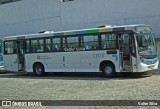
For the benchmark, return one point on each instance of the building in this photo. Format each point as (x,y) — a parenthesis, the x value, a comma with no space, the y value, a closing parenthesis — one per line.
(32,16)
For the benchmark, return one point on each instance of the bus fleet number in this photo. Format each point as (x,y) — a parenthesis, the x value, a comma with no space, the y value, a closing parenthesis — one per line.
(99,55)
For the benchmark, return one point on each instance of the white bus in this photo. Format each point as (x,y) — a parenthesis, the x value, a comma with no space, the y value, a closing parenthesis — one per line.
(108,49)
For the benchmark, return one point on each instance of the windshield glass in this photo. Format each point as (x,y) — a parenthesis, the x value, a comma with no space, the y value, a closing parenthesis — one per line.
(146,45)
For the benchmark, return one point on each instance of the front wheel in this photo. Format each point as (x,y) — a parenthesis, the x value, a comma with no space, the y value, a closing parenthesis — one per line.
(39,70)
(108,70)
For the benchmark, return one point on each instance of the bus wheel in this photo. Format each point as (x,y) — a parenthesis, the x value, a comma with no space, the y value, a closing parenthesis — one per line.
(39,70)
(108,70)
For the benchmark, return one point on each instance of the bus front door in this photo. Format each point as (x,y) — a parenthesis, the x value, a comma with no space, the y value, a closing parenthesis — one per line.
(20,55)
(125,47)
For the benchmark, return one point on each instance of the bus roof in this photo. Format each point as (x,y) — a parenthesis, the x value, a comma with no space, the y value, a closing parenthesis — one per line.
(79,32)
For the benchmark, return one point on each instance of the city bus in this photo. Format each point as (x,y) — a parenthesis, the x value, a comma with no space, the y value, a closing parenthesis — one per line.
(105,49)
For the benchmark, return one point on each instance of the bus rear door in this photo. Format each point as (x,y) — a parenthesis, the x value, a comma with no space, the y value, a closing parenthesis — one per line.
(21,55)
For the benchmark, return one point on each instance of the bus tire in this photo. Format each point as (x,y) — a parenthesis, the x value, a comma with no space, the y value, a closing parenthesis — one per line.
(38,69)
(108,70)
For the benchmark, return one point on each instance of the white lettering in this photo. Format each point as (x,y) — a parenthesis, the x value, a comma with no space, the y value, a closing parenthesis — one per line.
(153,104)
(34,104)
(143,103)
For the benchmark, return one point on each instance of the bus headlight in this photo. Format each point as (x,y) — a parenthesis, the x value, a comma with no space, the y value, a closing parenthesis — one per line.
(156,60)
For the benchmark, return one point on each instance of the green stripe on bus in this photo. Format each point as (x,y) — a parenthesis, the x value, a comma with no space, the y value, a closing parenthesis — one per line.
(93,31)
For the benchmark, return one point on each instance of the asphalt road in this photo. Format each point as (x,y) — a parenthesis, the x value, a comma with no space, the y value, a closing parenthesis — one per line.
(80,86)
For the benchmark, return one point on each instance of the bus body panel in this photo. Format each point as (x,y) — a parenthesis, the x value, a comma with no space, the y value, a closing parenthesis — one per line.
(84,61)
(134,64)
(11,63)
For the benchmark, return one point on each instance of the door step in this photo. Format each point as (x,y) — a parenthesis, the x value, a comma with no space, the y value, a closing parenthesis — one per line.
(127,66)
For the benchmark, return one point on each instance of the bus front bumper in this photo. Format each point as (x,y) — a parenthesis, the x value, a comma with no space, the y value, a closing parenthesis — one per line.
(144,67)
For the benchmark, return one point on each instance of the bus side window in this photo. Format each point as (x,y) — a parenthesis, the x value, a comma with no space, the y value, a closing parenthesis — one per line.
(90,42)
(33,46)
(108,41)
(14,51)
(73,43)
(40,45)
(126,46)
(48,48)
(27,46)
(48,44)
(34,49)
(56,43)
(10,47)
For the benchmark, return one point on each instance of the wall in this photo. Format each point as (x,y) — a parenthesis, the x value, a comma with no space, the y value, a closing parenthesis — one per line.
(33,16)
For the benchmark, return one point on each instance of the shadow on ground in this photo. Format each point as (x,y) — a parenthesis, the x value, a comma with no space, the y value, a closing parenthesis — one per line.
(75,76)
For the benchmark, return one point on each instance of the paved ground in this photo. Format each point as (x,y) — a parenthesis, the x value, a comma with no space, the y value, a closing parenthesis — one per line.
(80,87)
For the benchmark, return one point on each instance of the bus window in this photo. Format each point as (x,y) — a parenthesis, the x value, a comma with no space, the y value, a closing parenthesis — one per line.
(33,46)
(90,42)
(40,45)
(10,47)
(37,45)
(126,45)
(70,43)
(108,41)
(48,45)
(27,46)
(56,45)
(65,44)
(73,42)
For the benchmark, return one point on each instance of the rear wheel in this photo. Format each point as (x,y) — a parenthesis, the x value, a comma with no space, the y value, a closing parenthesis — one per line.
(108,70)
(39,70)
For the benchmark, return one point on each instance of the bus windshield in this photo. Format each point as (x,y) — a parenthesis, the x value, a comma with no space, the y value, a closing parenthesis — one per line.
(146,45)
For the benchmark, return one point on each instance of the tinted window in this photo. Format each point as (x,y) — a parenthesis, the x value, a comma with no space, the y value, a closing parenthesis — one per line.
(90,42)
(27,46)
(70,43)
(48,45)
(37,45)
(108,41)
(56,44)
(10,47)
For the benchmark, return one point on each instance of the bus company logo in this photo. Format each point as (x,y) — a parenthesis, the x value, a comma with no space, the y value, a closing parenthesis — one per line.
(43,57)
(6,103)
(21,103)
